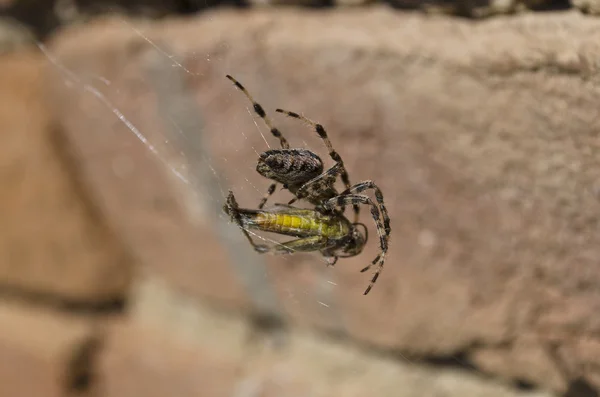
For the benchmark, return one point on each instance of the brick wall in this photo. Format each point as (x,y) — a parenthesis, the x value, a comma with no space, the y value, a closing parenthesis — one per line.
(119,275)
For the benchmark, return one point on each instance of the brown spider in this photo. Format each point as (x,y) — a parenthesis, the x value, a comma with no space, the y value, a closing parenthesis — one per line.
(301,172)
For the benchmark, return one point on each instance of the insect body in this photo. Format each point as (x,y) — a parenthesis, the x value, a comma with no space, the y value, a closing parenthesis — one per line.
(332,234)
(302,173)
(297,222)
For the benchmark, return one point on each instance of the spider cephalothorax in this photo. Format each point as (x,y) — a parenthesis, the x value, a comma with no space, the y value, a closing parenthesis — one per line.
(301,172)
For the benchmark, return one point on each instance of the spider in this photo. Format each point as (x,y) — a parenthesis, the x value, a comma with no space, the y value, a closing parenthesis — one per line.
(300,171)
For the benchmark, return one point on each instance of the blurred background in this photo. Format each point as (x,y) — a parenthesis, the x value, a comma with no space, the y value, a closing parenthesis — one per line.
(120,138)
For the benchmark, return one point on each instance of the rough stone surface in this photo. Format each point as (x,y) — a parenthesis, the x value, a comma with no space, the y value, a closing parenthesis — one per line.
(53,242)
(147,361)
(148,356)
(39,351)
(482,137)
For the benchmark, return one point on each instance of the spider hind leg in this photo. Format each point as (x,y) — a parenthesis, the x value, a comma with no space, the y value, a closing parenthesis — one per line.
(381,231)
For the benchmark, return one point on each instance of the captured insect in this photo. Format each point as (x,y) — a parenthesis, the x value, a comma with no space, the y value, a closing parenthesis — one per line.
(332,233)
(301,172)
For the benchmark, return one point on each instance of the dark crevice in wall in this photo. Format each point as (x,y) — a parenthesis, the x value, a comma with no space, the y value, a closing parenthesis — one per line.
(524,385)
(577,387)
(556,5)
(81,369)
(460,360)
(267,323)
(108,305)
(581,388)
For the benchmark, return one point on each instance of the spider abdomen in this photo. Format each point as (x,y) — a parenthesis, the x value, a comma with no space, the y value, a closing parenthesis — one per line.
(291,167)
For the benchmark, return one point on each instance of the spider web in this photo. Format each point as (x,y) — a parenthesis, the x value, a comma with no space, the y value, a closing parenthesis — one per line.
(203,185)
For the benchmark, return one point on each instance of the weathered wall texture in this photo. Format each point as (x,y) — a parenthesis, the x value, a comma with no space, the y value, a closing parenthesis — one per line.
(483,138)
(80,261)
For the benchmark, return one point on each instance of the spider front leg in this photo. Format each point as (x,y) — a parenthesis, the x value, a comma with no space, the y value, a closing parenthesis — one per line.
(260,111)
(383,237)
(269,193)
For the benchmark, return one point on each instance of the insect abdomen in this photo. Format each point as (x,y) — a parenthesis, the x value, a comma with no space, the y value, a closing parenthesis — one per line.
(294,224)
(287,224)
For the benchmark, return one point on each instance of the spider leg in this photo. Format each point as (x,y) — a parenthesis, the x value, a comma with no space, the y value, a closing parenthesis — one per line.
(259,110)
(365,185)
(383,236)
(332,153)
(270,191)
(333,262)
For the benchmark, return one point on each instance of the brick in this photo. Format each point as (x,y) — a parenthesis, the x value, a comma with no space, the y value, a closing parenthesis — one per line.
(146,360)
(44,353)
(53,242)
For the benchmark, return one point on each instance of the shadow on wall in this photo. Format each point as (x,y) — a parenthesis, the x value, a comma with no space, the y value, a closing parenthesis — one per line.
(581,388)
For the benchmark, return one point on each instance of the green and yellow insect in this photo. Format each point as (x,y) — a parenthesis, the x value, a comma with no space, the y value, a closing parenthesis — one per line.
(330,233)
